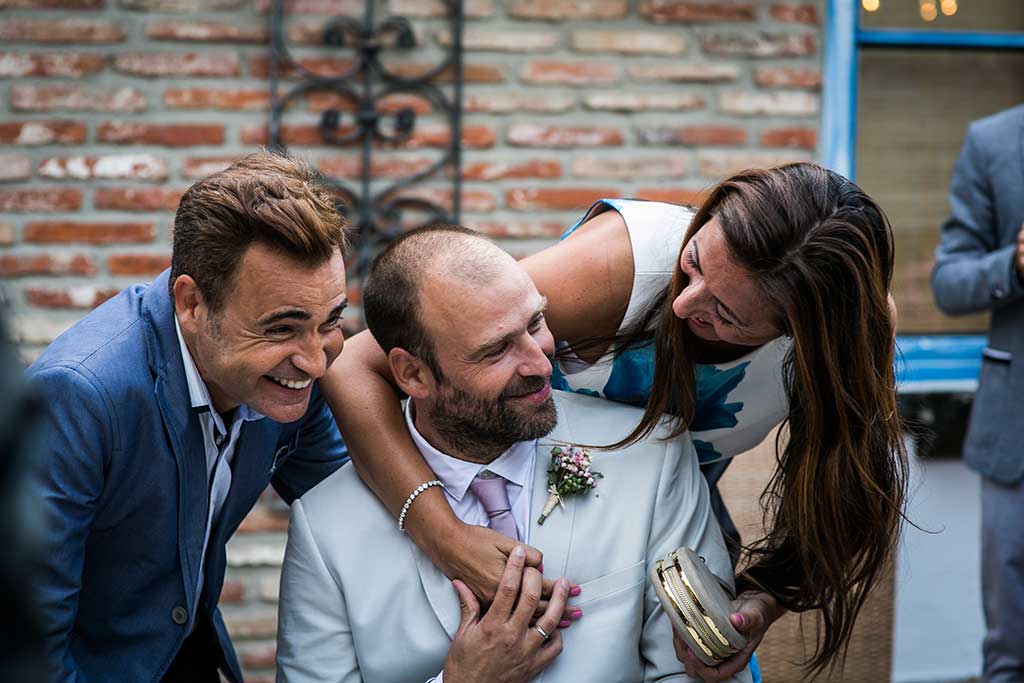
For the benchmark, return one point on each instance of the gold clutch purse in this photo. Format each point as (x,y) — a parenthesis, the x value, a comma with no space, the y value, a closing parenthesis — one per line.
(697,605)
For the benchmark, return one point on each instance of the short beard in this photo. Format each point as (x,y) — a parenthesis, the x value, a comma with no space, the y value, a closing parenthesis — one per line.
(480,430)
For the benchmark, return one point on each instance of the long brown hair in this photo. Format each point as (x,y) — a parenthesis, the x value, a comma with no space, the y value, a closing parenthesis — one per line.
(821,252)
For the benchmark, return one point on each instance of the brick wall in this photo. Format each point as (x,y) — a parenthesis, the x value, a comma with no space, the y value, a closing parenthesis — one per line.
(110,108)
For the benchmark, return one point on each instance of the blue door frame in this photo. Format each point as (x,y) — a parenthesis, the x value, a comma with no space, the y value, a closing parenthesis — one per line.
(934,363)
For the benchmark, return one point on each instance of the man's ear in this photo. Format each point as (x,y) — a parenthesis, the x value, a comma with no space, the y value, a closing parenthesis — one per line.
(189,305)
(411,374)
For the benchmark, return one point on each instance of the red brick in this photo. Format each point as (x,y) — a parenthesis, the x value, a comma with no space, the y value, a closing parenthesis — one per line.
(82,297)
(628,168)
(799,138)
(41,132)
(568,10)
(88,233)
(497,170)
(787,77)
(534,135)
(350,8)
(259,66)
(60,31)
(134,166)
(569,73)
(501,40)
(182,6)
(137,198)
(166,135)
(473,201)
(154,65)
(75,5)
(629,42)
(425,135)
(630,102)
(15,167)
(76,98)
(64,64)
(697,11)
(760,44)
(350,166)
(232,592)
(39,199)
(389,104)
(517,228)
(519,100)
(259,658)
(194,168)
(238,99)
(795,13)
(245,626)
(556,198)
(768,103)
(262,519)
(685,73)
(207,32)
(19,265)
(138,264)
(472,73)
(674,195)
(693,136)
(473,9)
(719,164)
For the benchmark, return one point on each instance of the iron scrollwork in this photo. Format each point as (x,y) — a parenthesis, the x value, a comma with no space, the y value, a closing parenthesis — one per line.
(379,213)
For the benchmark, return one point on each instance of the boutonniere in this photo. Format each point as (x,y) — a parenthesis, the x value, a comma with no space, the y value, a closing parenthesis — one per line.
(569,475)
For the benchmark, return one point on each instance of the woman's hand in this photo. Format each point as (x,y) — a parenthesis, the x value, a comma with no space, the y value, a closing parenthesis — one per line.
(755,612)
(477,556)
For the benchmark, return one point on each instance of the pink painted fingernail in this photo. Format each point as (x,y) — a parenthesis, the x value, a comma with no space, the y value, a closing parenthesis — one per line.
(574,591)
(564,623)
(738,620)
(540,567)
(576,613)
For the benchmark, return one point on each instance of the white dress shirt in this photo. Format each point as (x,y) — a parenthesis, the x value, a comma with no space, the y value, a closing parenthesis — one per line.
(516,465)
(219,443)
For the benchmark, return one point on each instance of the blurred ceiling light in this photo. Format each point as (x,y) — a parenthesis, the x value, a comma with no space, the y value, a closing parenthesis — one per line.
(928,10)
(949,7)
(870,5)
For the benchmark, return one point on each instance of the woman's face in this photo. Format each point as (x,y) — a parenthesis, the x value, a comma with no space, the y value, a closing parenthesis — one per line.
(721,301)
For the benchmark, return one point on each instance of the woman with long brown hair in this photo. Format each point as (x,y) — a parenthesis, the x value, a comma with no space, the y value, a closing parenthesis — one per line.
(771,306)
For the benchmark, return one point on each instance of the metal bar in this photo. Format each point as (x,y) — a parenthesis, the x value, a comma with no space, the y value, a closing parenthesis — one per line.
(891,37)
(839,88)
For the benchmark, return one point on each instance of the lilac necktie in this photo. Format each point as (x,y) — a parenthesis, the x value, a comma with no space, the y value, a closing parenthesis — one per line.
(490,491)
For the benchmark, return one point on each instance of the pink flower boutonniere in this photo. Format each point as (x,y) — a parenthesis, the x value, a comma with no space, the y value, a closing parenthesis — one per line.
(569,474)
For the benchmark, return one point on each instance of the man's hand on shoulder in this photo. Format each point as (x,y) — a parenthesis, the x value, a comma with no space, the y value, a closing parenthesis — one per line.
(505,645)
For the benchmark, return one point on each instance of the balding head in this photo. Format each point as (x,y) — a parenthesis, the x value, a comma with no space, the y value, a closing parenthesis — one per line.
(433,258)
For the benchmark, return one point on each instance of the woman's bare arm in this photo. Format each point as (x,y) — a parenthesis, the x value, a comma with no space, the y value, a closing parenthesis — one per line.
(588,287)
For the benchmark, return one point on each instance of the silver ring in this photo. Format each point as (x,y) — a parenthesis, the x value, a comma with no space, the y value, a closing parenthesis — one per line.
(543,635)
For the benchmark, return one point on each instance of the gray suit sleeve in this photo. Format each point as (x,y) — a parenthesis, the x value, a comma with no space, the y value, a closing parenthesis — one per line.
(682,517)
(314,640)
(973,272)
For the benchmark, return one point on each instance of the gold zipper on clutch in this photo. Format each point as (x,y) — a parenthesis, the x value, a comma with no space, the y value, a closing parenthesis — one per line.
(698,623)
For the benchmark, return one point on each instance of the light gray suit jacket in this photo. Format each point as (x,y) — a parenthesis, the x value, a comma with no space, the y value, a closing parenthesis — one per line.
(360,602)
(974,271)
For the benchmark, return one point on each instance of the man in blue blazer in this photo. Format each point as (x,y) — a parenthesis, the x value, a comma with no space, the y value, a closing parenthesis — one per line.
(979,266)
(170,408)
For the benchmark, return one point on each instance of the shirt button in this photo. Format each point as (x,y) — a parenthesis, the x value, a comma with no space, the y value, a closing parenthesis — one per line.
(219,440)
(179,615)
(999,293)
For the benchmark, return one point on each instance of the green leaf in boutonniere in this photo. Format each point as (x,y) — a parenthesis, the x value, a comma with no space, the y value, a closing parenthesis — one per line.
(568,475)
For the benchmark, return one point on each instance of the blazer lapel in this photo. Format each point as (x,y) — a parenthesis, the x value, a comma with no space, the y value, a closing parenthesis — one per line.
(182,426)
(440,594)
(553,537)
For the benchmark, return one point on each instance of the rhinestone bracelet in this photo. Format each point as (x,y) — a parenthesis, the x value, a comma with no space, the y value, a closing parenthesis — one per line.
(412,496)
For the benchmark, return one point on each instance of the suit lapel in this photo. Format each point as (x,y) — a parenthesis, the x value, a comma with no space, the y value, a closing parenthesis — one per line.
(553,537)
(440,594)
(182,426)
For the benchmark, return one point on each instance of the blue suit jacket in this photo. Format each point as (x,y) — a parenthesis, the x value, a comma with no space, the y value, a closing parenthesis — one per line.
(123,482)
(974,271)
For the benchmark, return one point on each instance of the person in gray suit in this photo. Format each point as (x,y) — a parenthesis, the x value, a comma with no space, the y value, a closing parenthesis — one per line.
(467,341)
(979,265)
